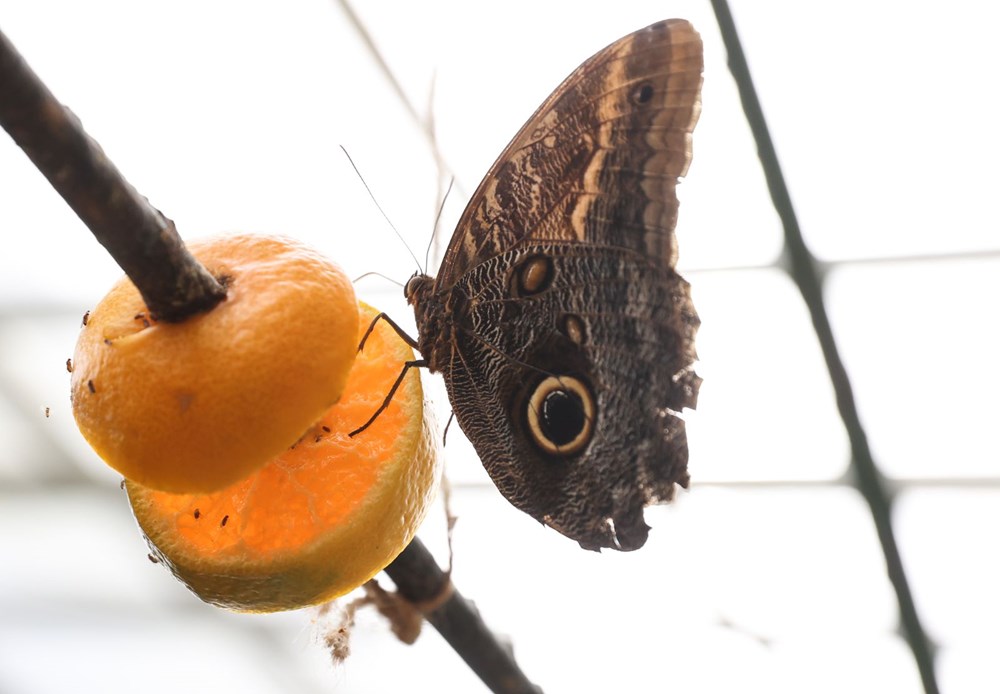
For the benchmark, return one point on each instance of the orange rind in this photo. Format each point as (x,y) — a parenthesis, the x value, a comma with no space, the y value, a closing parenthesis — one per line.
(199,405)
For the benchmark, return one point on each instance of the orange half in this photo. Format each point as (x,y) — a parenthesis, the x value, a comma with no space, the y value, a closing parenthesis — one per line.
(197,405)
(319,519)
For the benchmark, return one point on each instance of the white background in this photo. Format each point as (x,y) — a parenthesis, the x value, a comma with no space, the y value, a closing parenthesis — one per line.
(767,575)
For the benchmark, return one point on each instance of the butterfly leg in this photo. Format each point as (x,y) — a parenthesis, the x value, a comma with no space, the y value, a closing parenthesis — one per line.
(392,391)
(399,331)
(444,436)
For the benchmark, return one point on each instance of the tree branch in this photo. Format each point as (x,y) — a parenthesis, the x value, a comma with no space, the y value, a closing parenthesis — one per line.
(806,274)
(141,240)
(419,579)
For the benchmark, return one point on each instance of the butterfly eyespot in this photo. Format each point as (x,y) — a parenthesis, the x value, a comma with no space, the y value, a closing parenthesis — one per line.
(533,275)
(561,415)
(643,93)
(573,327)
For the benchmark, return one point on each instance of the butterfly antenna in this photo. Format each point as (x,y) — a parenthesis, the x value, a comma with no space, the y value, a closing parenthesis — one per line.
(437,221)
(376,274)
(384,215)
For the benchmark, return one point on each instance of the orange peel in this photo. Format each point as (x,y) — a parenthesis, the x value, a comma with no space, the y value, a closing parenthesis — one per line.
(198,405)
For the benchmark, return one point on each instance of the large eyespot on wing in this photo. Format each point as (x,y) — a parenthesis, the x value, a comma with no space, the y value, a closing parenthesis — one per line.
(560,414)
(598,161)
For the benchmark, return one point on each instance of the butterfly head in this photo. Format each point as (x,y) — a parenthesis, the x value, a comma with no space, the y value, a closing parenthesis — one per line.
(417,287)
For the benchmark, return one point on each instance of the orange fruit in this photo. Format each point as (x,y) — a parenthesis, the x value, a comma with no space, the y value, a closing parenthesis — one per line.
(198,405)
(321,518)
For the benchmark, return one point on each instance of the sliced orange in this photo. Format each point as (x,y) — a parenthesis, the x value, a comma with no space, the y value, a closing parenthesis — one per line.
(321,518)
(198,405)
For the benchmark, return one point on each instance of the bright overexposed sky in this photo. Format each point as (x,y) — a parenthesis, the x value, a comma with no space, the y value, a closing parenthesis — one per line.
(766,576)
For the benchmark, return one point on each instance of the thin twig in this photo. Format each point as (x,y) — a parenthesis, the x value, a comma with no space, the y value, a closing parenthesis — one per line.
(804,270)
(175,285)
(425,124)
(420,580)
(140,239)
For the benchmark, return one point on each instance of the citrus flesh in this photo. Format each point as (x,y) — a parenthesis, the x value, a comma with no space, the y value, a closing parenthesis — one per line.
(322,517)
(197,405)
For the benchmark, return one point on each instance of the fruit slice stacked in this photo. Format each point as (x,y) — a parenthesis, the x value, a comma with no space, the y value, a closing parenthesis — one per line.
(238,464)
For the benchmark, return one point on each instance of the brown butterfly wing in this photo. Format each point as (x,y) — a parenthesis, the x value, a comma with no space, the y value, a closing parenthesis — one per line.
(564,334)
(595,162)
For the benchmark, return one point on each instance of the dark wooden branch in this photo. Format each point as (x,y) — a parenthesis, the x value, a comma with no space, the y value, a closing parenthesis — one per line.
(140,239)
(419,579)
(807,275)
(174,286)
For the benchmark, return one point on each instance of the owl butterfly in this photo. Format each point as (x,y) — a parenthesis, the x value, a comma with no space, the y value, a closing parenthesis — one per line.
(563,332)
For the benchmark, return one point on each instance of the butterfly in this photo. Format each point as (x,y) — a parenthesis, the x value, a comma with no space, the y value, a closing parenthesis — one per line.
(562,329)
